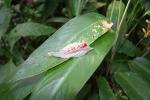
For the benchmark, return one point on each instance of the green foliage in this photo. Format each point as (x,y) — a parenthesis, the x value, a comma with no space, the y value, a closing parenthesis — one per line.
(6,71)
(77,6)
(136,88)
(39,61)
(141,67)
(129,49)
(29,29)
(4,20)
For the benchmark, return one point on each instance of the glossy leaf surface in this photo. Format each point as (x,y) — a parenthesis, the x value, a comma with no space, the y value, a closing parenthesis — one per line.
(83,28)
(65,80)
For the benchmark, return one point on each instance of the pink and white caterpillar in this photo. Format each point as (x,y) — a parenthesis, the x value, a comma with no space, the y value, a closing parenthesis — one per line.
(76,49)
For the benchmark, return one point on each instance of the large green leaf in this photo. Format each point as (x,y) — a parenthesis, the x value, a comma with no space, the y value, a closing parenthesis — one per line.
(76,30)
(105,92)
(141,66)
(134,86)
(65,80)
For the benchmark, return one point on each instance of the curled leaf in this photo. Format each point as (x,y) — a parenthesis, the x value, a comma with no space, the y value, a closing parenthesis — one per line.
(72,50)
(106,25)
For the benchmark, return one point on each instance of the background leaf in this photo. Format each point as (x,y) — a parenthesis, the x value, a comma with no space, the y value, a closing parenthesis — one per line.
(120,63)
(105,92)
(115,11)
(130,49)
(76,6)
(28,29)
(4,20)
(141,66)
(49,8)
(134,86)
(7,3)
(6,71)
(31,29)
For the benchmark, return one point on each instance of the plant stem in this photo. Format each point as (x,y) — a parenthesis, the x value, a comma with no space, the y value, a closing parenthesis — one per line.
(133,12)
(118,29)
(129,33)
